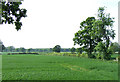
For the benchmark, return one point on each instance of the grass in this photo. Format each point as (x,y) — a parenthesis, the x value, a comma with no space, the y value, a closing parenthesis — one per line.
(0,68)
(43,67)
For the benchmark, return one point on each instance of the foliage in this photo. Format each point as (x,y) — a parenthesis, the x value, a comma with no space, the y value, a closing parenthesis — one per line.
(3,47)
(92,31)
(99,55)
(79,50)
(119,51)
(17,50)
(36,50)
(12,13)
(84,55)
(29,50)
(114,47)
(10,48)
(100,48)
(78,55)
(84,37)
(72,50)
(22,49)
(57,48)
(65,49)
(105,32)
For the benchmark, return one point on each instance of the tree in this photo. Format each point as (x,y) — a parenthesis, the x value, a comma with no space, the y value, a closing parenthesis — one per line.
(2,47)
(79,50)
(85,36)
(119,50)
(12,13)
(92,31)
(115,47)
(29,50)
(99,48)
(10,48)
(104,31)
(22,49)
(57,48)
(50,50)
(72,50)
(17,50)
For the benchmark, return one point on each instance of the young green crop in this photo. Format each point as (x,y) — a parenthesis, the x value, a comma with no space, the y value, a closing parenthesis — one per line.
(46,67)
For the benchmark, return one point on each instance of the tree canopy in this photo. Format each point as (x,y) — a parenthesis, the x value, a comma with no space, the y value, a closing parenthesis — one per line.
(72,50)
(57,48)
(12,13)
(92,31)
(104,24)
(84,37)
(115,47)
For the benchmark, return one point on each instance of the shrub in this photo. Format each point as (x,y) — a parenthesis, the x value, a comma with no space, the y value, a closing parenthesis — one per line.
(66,54)
(78,55)
(73,54)
(84,55)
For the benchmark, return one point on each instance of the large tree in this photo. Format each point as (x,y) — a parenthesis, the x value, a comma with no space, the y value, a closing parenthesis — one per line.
(85,36)
(92,31)
(57,48)
(104,31)
(12,13)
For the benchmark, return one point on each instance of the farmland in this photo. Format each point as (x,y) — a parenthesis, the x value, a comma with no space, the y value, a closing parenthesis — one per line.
(46,67)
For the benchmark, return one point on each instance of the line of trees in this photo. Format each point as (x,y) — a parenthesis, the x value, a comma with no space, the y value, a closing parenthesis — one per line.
(114,48)
(22,49)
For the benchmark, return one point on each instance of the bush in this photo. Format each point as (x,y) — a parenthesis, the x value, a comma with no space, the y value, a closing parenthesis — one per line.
(68,54)
(73,54)
(84,55)
(78,55)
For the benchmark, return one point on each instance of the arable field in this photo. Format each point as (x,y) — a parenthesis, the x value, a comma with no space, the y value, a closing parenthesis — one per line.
(0,68)
(42,67)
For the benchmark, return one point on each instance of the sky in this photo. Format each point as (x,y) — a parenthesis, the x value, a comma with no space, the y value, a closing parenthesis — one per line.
(54,22)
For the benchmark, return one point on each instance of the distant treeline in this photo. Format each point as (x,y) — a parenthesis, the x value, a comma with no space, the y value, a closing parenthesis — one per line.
(22,49)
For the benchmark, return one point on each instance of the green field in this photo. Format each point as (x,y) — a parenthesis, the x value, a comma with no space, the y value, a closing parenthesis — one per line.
(42,67)
(0,68)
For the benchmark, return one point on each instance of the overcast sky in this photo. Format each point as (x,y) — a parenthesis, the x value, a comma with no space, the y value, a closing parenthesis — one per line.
(54,22)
